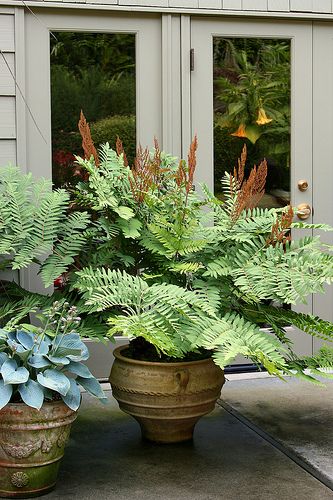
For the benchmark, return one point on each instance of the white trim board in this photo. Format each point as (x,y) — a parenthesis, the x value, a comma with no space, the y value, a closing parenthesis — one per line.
(292,15)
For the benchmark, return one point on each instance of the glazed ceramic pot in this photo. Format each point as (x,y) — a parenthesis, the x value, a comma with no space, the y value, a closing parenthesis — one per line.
(167,399)
(32,445)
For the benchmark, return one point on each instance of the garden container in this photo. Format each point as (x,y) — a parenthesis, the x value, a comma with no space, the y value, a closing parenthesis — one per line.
(32,445)
(167,399)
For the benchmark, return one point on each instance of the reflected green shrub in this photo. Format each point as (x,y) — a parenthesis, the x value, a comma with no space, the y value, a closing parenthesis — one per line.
(92,91)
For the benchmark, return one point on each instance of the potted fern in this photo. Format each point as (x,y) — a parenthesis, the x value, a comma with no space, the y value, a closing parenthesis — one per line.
(195,284)
(41,372)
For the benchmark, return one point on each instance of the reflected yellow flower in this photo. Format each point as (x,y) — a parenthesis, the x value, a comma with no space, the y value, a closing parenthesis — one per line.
(262,117)
(240,132)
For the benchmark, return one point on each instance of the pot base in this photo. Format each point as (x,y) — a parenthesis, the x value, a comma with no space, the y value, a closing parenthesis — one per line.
(167,431)
(27,494)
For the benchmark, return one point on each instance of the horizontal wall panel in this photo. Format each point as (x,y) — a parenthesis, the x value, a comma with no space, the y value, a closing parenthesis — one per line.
(302,5)
(255,5)
(107,2)
(144,3)
(191,4)
(7,43)
(7,84)
(232,4)
(7,152)
(322,6)
(210,4)
(279,5)
(7,117)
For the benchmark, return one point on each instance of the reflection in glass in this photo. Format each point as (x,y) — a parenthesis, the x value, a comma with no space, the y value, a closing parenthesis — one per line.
(94,72)
(252,106)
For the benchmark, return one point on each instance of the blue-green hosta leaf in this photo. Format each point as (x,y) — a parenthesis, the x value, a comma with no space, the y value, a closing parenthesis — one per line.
(42,347)
(6,392)
(12,374)
(59,361)
(16,347)
(12,336)
(79,369)
(92,386)
(83,356)
(38,361)
(55,380)
(32,394)
(3,358)
(27,339)
(73,396)
(68,345)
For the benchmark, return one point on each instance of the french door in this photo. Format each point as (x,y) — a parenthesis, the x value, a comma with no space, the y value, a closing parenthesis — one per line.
(233,101)
(126,77)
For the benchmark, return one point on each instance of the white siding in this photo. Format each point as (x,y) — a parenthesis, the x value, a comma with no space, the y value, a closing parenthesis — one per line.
(255,5)
(7,117)
(279,5)
(217,6)
(7,32)
(7,90)
(7,84)
(7,152)
(232,4)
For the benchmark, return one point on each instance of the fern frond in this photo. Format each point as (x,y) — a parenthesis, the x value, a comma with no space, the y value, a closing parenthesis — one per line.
(312,325)
(145,325)
(186,267)
(71,241)
(306,225)
(105,288)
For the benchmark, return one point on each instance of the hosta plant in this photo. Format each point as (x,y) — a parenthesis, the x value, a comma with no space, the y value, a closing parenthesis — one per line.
(44,364)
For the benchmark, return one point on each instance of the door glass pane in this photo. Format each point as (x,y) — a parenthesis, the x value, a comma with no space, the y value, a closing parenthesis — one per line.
(252,107)
(94,72)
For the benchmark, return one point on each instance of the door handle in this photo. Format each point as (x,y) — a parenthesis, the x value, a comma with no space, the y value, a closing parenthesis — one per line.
(303,211)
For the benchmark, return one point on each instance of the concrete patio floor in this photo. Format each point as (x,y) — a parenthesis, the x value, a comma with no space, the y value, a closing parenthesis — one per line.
(296,414)
(227,459)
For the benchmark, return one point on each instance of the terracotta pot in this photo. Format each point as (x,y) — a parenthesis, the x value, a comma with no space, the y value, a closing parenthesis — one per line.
(32,444)
(167,399)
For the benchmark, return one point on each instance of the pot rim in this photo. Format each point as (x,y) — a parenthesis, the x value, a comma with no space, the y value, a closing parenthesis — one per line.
(45,403)
(117,354)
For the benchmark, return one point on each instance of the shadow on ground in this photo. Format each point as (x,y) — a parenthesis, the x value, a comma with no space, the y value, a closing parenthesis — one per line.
(106,459)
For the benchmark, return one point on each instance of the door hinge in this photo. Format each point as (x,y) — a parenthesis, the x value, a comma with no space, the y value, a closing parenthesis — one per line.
(192,60)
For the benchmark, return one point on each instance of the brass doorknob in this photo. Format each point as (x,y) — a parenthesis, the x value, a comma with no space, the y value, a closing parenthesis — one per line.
(303,211)
(302,185)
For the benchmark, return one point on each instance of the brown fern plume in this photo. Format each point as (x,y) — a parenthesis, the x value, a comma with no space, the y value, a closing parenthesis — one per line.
(185,174)
(238,176)
(280,232)
(120,150)
(141,177)
(248,191)
(87,142)
(192,163)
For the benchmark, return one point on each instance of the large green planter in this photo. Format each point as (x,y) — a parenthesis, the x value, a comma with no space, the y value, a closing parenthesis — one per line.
(32,445)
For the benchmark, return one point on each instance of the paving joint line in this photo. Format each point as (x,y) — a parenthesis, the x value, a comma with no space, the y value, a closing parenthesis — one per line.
(310,469)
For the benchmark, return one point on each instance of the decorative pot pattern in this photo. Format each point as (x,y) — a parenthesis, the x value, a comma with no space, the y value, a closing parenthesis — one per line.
(167,399)
(32,444)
